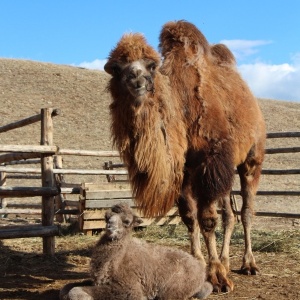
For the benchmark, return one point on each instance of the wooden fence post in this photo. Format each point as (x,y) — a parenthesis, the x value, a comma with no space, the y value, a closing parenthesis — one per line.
(47,178)
(3,202)
(59,179)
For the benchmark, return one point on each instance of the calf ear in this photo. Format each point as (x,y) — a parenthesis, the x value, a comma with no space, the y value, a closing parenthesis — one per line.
(137,221)
(113,68)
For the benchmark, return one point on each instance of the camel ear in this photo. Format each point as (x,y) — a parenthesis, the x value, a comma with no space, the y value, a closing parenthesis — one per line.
(113,68)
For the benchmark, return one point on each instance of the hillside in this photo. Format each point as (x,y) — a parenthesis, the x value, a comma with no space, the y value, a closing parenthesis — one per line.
(26,87)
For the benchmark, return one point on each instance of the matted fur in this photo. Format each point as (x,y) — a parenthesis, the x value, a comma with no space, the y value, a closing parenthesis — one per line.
(222,54)
(123,267)
(202,121)
(149,135)
(219,107)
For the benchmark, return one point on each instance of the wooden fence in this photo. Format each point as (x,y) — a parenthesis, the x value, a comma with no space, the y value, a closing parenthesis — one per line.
(52,187)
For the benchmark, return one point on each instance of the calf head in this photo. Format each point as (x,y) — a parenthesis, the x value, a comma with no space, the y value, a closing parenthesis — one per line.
(120,220)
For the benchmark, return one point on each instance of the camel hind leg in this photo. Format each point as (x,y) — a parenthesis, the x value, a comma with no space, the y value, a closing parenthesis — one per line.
(228,226)
(249,173)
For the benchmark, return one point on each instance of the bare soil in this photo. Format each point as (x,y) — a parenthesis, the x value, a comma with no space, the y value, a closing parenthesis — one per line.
(26,87)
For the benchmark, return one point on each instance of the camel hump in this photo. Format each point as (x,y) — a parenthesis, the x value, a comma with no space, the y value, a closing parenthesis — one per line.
(182,34)
(222,54)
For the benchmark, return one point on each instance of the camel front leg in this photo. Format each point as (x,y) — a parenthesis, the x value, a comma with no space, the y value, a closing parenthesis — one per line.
(188,213)
(217,273)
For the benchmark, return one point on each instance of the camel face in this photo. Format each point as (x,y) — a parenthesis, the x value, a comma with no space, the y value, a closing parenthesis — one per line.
(119,221)
(135,77)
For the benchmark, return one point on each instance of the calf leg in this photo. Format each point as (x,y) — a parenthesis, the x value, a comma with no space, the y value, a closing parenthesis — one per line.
(249,173)
(205,291)
(103,292)
(64,292)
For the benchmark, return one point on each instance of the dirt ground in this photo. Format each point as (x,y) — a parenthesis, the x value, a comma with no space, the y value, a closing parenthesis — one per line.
(26,87)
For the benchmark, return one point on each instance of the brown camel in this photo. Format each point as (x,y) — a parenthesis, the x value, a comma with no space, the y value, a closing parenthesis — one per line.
(182,130)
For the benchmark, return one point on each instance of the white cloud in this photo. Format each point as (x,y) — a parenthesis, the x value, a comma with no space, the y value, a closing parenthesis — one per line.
(97,64)
(244,48)
(279,82)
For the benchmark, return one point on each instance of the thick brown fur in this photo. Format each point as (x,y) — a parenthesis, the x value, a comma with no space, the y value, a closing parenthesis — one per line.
(184,138)
(149,135)
(225,129)
(222,54)
(123,267)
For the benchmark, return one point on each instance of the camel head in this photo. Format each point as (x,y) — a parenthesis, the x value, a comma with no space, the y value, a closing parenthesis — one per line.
(133,64)
(120,220)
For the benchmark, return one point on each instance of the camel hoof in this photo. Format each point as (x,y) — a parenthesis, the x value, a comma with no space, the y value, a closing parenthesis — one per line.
(218,288)
(249,271)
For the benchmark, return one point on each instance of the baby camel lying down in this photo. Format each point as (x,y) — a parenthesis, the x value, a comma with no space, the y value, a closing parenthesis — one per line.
(123,267)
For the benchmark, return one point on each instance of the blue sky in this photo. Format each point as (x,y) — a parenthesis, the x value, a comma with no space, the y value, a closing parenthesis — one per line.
(263,34)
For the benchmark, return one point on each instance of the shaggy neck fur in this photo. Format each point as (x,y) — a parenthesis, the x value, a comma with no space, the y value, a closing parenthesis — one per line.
(144,133)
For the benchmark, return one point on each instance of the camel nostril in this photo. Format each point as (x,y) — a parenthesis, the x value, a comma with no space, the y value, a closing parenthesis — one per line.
(138,72)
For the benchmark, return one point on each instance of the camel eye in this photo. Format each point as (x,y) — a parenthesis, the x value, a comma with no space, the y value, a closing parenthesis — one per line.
(127,222)
(151,67)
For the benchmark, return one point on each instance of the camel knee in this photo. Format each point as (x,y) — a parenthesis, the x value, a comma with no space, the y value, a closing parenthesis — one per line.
(208,225)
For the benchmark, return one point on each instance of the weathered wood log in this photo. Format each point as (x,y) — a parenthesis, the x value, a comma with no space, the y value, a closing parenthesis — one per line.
(272,135)
(9,169)
(272,193)
(12,232)
(281,172)
(22,176)
(18,211)
(70,190)
(59,179)
(88,153)
(107,203)
(5,158)
(26,121)
(282,150)
(47,179)
(67,212)
(29,148)
(271,214)
(12,192)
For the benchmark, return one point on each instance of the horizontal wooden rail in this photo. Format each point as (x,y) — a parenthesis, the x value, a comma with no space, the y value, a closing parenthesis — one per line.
(27,211)
(88,153)
(273,135)
(29,148)
(272,214)
(282,150)
(8,192)
(26,121)
(281,172)
(272,193)
(17,156)
(9,169)
(11,232)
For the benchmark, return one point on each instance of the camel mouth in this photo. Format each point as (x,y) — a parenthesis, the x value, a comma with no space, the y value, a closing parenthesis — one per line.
(138,91)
